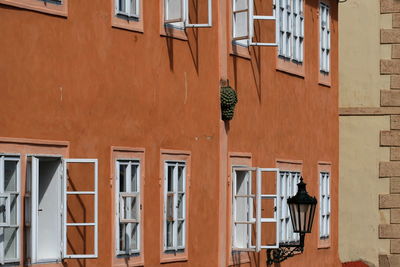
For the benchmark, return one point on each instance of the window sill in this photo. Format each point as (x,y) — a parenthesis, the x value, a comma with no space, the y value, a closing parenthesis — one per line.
(324,243)
(240,51)
(324,79)
(165,258)
(129,264)
(175,33)
(40,6)
(290,67)
(126,24)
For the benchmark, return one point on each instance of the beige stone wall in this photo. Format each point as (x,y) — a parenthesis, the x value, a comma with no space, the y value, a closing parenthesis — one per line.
(360,187)
(360,53)
(369,69)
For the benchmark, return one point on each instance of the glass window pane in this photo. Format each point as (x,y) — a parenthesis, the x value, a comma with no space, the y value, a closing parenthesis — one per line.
(13,209)
(133,10)
(241,24)
(170,234)
(3,209)
(180,233)
(134,178)
(181,200)
(134,236)
(173,9)
(133,210)
(122,177)
(10,242)
(181,178)
(10,175)
(122,5)
(170,178)
(122,237)
(170,207)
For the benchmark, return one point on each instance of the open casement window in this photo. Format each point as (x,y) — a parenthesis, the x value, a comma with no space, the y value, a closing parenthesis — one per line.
(324,205)
(128,8)
(288,181)
(49,215)
(9,208)
(174,206)
(128,207)
(243,19)
(177,14)
(249,226)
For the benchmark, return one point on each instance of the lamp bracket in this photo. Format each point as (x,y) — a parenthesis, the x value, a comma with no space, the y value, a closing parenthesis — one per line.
(285,251)
(281,254)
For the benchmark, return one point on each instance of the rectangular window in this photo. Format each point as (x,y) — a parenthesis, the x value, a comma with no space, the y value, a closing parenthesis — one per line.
(288,185)
(324,205)
(290,29)
(174,206)
(325,38)
(128,8)
(9,208)
(128,210)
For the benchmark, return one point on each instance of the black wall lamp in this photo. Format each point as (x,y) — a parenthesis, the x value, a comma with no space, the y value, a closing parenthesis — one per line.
(302,210)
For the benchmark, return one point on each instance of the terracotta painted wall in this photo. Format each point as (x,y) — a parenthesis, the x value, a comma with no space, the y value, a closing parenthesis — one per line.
(77,79)
(287,117)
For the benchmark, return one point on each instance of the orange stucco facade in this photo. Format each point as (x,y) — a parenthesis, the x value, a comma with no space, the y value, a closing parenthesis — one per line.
(72,82)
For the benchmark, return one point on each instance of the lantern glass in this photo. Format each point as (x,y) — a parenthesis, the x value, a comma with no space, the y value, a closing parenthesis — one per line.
(302,210)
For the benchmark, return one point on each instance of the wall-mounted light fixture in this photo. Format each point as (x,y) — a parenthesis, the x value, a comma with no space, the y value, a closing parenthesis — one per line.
(302,210)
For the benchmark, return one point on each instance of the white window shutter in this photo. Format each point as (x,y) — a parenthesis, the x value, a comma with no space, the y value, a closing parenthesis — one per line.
(94,224)
(259,218)
(198,25)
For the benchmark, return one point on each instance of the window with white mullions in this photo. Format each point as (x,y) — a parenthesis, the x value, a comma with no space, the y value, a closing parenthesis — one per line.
(128,8)
(248,218)
(290,29)
(288,185)
(174,206)
(324,205)
(128,207)
(9,209)
(325,38)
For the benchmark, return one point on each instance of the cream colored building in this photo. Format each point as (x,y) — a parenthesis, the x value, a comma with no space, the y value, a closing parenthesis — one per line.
(369,223)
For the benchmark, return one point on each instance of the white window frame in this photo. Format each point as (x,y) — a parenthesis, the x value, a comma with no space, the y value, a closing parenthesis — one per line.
(324,38)
(128,4)
(31,199)
(290,29)
(288,181)
(248,39)
(85,224)
(175,209)
(7,195)
(324,205)
(258,220)
(184,21)
(119,204)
